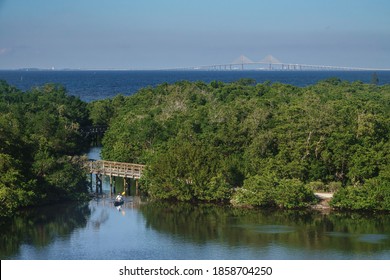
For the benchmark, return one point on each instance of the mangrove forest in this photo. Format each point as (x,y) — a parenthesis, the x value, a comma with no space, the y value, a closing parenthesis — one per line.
(246,143)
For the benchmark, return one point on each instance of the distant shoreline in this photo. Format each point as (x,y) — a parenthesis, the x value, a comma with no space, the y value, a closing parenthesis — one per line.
(185,70)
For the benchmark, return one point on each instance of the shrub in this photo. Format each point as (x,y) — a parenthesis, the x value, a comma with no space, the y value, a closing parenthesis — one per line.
(334,186)
(256,191)
(292,193)
(264,191)
(317,186)
(373,195)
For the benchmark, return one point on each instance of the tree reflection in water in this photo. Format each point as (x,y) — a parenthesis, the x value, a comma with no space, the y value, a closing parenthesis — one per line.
(188,231)
(41,226)
(309,230)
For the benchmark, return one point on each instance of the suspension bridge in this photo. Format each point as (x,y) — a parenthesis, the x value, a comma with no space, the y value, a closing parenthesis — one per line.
(270,63)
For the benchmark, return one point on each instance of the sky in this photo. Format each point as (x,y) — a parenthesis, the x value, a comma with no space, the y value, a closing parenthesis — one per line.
(152,34)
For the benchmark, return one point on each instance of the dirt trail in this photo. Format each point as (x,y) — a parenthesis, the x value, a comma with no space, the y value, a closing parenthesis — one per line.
(323,204)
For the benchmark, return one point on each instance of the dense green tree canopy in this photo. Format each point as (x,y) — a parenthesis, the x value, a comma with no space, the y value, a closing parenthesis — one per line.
(203,141)
(251,144)
(39,144)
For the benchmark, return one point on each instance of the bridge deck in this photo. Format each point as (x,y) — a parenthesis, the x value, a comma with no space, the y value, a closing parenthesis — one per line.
(271,63)
(116,169)
(93,130)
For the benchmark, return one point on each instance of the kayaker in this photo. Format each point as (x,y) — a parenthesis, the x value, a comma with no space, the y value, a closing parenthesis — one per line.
(118,197)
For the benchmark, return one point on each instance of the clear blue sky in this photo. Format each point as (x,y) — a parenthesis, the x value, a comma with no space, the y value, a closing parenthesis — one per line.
(145,34)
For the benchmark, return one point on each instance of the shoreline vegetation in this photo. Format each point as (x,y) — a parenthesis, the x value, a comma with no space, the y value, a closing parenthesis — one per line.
(248,144)
(40,147)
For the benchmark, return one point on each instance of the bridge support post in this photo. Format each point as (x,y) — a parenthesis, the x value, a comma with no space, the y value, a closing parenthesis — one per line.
(99,187)
(97,183)
(125,184)
(114,184)
(111,191)
(101,184)
(129,187)
(127,171)
(91,185)
(136,188)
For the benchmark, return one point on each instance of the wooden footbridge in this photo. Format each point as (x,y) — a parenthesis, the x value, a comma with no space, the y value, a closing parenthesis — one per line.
(87,131)
(115,169)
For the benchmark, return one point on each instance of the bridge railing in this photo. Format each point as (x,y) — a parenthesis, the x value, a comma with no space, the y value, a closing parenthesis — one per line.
(118,169)
(93,130)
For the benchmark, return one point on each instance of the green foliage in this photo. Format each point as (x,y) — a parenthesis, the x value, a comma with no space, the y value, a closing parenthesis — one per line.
(292,193)
(373,195)
(257,191)
(195,136)
(272,143)
(318,186)
(269,191)
(10,179)
(187,170)
(102,111)
(39,135)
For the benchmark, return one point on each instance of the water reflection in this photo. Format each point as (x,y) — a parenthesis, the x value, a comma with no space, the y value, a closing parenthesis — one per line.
(269,229)
(336,235)
(38,227)
(160,230)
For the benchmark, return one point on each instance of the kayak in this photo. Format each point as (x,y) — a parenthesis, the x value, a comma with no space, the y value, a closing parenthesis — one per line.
(118,202)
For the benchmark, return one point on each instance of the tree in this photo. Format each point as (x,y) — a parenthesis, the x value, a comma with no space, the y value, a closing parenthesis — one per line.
(39,142)
(202,139)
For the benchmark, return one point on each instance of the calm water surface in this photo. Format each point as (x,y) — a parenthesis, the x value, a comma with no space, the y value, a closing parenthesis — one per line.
(139,230)
(161,230)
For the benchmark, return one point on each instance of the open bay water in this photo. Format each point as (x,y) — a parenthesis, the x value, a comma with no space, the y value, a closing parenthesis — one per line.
(95,85)
(144,230)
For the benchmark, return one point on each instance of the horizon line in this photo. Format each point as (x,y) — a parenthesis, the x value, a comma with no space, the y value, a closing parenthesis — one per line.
(210,68)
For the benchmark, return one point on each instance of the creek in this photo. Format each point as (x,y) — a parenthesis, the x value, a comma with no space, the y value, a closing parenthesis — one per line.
(142,230)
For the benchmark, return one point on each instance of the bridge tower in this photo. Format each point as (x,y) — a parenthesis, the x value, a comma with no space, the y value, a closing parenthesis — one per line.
(242,60)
